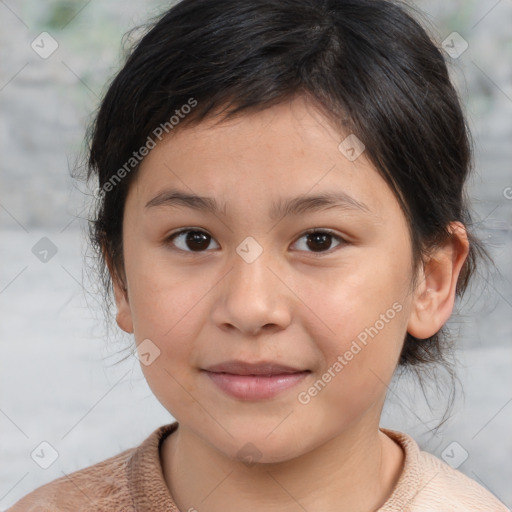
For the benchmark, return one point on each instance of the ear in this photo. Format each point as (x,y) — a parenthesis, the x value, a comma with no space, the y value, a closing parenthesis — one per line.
(124,312)
(434,295)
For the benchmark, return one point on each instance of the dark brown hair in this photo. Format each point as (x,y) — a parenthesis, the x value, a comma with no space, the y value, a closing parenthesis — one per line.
(367,65)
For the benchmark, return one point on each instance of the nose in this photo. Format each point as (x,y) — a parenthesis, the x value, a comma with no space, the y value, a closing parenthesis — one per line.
(252,298)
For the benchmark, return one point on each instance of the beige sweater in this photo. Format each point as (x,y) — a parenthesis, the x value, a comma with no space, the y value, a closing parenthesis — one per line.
(132,481)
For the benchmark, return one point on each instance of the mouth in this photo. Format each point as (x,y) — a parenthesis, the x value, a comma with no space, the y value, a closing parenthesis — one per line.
(254,381)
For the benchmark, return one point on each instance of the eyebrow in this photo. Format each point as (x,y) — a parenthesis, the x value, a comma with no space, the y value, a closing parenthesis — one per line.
(282,208)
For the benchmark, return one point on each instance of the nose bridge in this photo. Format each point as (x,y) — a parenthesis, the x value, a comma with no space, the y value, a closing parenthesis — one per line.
(251,273)
(252,297)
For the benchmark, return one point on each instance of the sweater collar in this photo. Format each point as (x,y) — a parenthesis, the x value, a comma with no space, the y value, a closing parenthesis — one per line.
(145,475)
(150,492)
(409,480)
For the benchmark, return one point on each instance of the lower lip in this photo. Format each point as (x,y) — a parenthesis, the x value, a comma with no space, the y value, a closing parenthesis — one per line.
(254,387)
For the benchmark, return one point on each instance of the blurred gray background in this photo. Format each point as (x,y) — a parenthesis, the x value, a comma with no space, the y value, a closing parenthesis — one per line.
(59,377)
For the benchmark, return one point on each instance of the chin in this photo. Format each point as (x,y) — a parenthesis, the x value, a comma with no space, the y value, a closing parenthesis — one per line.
(258,447)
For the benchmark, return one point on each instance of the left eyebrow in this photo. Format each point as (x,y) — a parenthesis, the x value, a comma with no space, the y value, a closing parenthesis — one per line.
(305,204)
(282,208)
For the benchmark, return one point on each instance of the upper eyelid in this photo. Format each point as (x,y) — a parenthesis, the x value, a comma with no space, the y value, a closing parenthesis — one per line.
(331,232)
(307,232)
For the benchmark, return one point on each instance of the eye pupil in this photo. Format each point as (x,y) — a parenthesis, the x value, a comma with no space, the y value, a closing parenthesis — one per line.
(321,241)
(197,240)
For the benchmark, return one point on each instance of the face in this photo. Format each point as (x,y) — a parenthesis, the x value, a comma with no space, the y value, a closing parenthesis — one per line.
(246,282)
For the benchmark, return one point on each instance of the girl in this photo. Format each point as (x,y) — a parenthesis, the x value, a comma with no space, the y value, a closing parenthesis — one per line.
(282,219)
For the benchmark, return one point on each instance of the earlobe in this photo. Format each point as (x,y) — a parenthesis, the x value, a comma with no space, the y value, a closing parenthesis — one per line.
(124,314)
(434,296)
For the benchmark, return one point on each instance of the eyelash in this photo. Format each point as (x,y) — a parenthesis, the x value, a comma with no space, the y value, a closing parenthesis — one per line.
(341,240)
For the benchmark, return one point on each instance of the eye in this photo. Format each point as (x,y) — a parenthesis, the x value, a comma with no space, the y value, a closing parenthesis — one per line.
(190,240)
(197,240)
(320,240)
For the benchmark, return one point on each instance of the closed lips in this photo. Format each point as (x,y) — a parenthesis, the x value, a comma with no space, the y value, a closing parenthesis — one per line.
(265,368)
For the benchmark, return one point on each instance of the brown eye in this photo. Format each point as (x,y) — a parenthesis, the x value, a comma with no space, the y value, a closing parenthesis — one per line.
(191,240)
(195,240)
(319,240)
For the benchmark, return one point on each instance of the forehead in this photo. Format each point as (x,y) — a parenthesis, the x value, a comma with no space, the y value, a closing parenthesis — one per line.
(261,159)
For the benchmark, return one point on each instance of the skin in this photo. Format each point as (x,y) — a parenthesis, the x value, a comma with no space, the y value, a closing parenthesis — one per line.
(291,305)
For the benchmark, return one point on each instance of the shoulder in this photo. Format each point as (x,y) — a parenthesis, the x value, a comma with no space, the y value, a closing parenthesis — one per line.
(444,484)
(108,485)
(428,484)
(96,487)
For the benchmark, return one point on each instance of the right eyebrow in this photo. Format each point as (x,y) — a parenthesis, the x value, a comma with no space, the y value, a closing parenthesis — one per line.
(177,198)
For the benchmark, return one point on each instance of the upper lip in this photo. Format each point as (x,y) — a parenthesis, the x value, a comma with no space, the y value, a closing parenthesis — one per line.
(237,367)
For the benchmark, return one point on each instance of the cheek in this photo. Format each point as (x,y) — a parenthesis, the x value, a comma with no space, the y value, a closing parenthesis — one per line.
(166,312)
(364,314)
(163,297)
(352,299)
(164,304)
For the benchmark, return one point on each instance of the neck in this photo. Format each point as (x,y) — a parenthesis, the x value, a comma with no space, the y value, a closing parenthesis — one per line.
(355,470)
